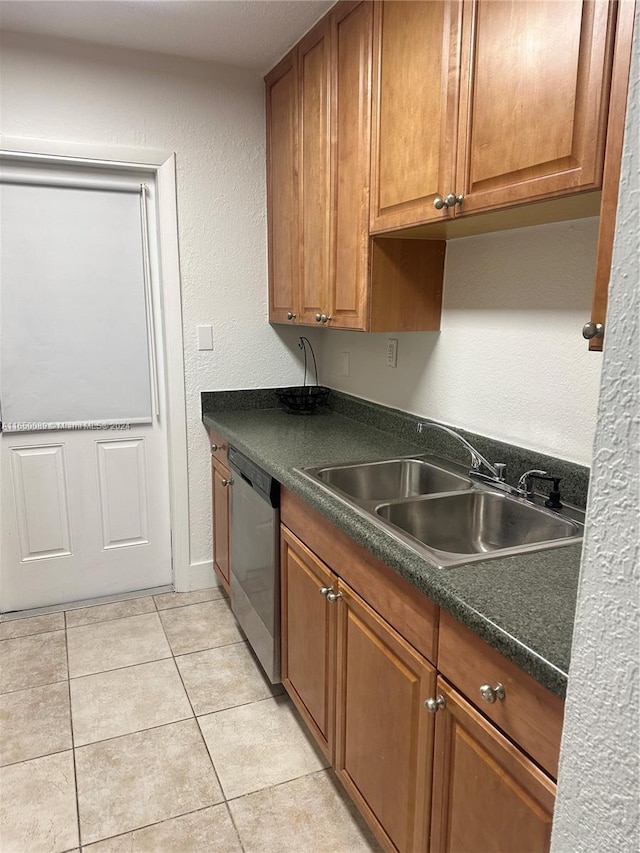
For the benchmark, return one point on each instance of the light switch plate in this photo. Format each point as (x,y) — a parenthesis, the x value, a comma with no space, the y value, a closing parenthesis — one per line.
(205,337)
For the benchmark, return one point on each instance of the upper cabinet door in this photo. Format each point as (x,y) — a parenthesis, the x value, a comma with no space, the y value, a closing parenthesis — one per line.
(314,168)
(351,25)
(533,101)
(415,83)
(282,189)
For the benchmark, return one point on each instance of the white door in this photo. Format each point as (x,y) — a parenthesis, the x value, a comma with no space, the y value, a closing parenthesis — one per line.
(84,495)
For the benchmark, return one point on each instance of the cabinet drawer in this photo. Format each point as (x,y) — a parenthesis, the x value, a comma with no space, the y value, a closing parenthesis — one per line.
(529,714)
(219,447)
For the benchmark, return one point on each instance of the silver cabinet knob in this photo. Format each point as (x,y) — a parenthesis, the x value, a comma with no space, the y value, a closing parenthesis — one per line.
(592,330)
(323,318)
(325,590)
(490,694)
(452,200)
(216,447)
(318,318)
(227,482)
(291,315)
(334,596)
(435,705)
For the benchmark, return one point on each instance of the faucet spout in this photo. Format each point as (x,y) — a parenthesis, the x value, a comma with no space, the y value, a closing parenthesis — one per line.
(477,459)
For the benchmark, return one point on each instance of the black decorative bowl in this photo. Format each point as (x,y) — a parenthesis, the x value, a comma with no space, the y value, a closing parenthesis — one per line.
(303,399)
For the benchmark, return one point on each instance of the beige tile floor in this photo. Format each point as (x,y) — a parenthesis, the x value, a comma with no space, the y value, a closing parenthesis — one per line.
(147,725)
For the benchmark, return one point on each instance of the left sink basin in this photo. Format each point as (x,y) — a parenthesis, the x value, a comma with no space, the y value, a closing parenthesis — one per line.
(389,480)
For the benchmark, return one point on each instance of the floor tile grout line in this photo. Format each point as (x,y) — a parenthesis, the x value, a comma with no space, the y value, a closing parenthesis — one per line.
(73,741)
(325,770)
(33,686)
(136,732)
(97,622)
(117,668)
(157,823)
(184,687)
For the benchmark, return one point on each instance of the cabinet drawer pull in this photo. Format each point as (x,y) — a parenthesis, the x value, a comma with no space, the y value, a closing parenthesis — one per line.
(291,315)
(490,694)
(325,590)
(435,705)
(227,482)
(216,447)
(333,596)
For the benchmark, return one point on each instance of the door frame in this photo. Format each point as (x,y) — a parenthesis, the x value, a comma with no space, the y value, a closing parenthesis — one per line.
(162,164)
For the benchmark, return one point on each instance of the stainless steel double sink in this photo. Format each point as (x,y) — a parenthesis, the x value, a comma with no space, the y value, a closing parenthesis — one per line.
(443,514)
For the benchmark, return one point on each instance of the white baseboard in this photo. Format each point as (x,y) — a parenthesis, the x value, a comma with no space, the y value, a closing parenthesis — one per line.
(196,576)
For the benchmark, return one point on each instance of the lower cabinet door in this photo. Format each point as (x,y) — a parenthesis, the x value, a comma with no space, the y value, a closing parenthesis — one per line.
(384,734)
(221,476)
(308,636)
(487,795)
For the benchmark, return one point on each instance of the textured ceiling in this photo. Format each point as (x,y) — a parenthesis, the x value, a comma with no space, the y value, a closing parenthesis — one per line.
(248,33)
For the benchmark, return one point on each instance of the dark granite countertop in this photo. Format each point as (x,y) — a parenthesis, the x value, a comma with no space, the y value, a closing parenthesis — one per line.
(521,605)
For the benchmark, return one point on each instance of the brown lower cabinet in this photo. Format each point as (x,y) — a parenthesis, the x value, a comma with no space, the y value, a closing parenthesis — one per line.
(444,781)
(487,795)
(361,688)
(220,480)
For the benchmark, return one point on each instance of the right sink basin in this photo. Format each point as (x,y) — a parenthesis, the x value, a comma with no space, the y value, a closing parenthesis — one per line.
(472,525)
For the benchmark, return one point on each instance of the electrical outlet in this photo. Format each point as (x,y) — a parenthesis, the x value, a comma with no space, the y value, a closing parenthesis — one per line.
(346,367)
(392,352)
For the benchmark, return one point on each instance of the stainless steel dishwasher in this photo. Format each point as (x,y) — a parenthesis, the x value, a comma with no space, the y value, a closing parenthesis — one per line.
(255,559)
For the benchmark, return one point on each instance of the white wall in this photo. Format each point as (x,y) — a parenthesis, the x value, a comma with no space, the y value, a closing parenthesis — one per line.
(510,361)
(213,118)
(598,805)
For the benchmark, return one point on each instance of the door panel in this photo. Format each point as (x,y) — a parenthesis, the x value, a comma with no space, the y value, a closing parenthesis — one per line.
(384,734)
(41,501)
(314,166)
(282,192)
(124,503)
(487,789)
(308,629)
(221,523)
(533,99)
(351,112)
(415,97)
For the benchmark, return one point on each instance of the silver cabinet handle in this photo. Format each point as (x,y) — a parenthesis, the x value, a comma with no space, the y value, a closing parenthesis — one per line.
(323,318)
(291,315)
(334,596)
(215,447)
(228,482)
(435,705)
(490,694)
(439,203)
(318,318)
(325,590)
(592,330)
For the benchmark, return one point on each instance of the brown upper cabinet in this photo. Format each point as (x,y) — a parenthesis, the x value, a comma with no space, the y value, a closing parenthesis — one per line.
(394,120)
(483,105)
(415,92)
(282,187)
(323,266)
